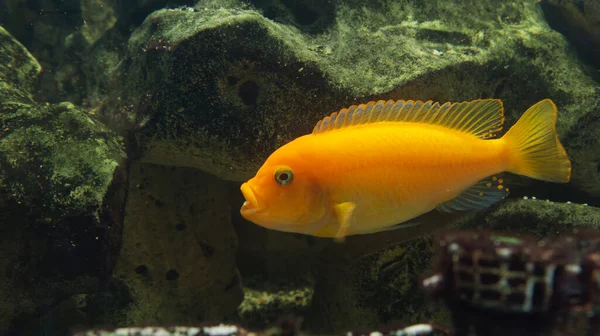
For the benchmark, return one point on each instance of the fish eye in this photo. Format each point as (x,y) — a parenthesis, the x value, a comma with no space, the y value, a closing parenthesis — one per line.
(284,176)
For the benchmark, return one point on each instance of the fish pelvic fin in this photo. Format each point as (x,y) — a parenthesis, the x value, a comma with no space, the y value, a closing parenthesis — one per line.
(482,118)
(534,148)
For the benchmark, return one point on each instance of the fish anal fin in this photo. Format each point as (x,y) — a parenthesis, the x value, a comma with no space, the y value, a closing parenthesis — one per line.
(482,117)
(343,212)
(479,196)
(402,225)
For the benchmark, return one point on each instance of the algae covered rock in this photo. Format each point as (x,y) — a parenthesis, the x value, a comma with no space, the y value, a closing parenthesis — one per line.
(265,301)
(62,190)
(57,159)
(220,88)
(19,70)
(69,38)
(538,217)
(223,114)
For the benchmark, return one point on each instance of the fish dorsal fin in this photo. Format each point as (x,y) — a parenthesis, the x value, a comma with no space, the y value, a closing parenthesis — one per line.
(479,196)
(482,118)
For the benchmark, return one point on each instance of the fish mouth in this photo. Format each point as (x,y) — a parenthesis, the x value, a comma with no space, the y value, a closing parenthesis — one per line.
(251,205)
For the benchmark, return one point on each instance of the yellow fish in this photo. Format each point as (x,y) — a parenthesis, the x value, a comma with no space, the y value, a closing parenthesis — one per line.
(376,166)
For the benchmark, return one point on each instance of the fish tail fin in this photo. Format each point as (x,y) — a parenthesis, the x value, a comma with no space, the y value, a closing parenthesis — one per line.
(534,148)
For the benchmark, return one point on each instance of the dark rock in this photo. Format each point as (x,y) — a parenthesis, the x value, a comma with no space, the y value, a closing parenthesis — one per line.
(373,290)
(540,218)
(579,20)
(62,192)
(310,16)
(67,37)
(19,70)
(76,310)
(142,269)
(171,277)
(57,159)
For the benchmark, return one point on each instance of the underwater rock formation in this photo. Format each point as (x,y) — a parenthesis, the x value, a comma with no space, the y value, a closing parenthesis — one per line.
(19,70)
(354,292)
(178,254)
(260,83)
(73,39)
(492,284)
(223,114)
(62,192)
(579,20)
(267,299)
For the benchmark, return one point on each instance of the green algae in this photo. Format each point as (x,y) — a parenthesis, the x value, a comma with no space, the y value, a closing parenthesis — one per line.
(57,158)
(265,301)
(17,65)
(99,16)
(395,276)
(56,188)
(538,217)
(54,157)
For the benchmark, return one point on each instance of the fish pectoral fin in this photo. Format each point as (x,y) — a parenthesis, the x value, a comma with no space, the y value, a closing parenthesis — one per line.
(479,196)
(343,213)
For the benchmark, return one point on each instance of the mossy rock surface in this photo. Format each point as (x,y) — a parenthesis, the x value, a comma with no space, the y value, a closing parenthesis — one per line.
(537,217)
(18,70)
(73,39)
(220,88)
(62,194)
(267,300)
(57,159)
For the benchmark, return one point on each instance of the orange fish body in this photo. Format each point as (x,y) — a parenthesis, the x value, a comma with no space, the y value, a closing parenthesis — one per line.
(375,166)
